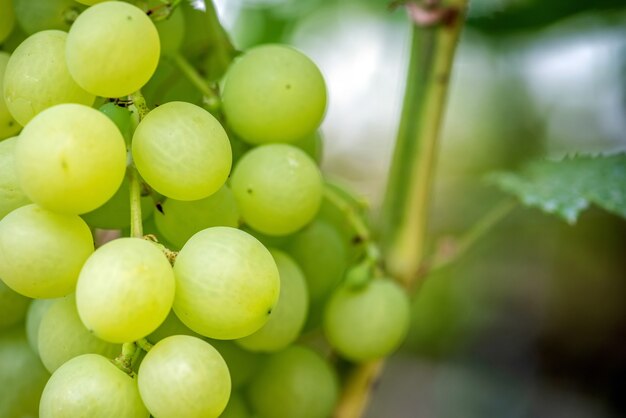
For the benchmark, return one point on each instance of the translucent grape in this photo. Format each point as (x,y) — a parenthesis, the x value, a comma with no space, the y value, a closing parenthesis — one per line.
(287,318)
(242,364)
(8,124)
(91,386)
(7,19)
(37,77)
(365,323)
(278,188)
(274,93)
(11,194)
(37,15)
(183,376)
(295,382)
(171,326)
(70,159)
(127,51)
(179,220)
(227,283)
(125,290)
(13,306)
(182,151)
(321,253)
(62,336)
(236,407)
(41,252)
(36,310)
(22,376)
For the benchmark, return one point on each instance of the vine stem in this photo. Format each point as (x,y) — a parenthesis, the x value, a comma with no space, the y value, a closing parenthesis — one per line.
(136,220)
(436,29)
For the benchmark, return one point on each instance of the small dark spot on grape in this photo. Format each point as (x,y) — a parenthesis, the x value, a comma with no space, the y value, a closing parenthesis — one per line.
(288,86)
(159,207)
(11,123)
(64,164)
(249,190)
(357,239)
(269,311)
(129,18)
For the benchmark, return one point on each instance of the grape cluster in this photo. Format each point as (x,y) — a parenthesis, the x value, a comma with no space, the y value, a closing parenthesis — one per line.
(217,310)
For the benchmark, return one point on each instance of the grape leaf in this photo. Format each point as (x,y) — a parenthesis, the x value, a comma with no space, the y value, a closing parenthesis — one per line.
(566,188)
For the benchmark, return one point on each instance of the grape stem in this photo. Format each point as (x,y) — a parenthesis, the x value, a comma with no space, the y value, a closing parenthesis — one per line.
(136,221)
(124,361)
(210,97)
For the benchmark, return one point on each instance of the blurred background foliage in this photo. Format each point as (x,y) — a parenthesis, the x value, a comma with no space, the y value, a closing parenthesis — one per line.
(532,321)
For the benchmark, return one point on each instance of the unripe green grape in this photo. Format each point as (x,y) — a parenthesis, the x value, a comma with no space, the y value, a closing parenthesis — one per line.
(278,188)
(22,376)
(295,382)
(242,364)
(8,124)
(42,252)
(37,77)
(287,318)
(184,368)
(11,194)
(227,283)
(62,336)
(125,290)
(273,93)
(36,311)
(369,322)
(38,15)
(91,386)
(171,326)
(13,306)
(70,159)
(7,19)
(127,50)
(236,407)
(182,151)
(180,220)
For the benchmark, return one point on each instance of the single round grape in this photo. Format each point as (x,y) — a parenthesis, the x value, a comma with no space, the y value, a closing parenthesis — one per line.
(125,290)
(42,252)
(295,382)
(274,93)
(22,376)
(37,77)
(127,51)
(38,15)
(13,306)
(182,151)
(8,124)
(242,364)
(36,310)
(91,386)
(236,407)
(179,220)
(7,19)
(287,318)
(11,194)
(321,253)
(62,336)
(171,326)
(278,188)
(183,376)
(366,323)
(227,283)
(70,159)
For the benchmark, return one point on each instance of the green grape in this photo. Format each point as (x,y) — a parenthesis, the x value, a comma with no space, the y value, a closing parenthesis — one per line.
(242,364)
(8,124)
(70,159)
(313,145)
(125,290)
(120,116)
(287,318)
(37,77)
(171,30)
(91,386)
(36,311)
(236,407)
(7,19)
(42,252)
(62,336)
(295,382)
(278,188)
(179,220)
(183,376)
(115,213)
(273,93)
(13,306)
(365,323)
(22,376)
(320,252)
(182,151)
(227,283)
(37,15)
(127,50)
(171,326)
(11,195)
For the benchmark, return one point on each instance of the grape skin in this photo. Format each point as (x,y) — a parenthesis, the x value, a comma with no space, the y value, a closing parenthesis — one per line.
(8,124)
(11,194)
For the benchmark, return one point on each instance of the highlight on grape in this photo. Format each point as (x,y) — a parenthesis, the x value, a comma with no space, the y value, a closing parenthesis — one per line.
(169,246)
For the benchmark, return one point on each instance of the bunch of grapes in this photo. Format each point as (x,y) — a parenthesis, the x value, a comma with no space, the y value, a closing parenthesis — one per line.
(253,279)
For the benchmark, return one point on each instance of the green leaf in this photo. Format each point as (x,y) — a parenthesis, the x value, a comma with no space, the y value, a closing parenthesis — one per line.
(565,188)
